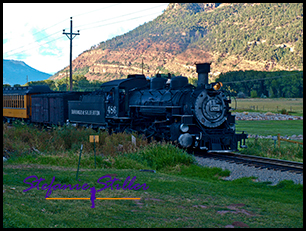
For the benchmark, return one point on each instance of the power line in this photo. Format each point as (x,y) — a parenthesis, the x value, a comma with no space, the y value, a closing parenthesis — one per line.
(84,28)
(250,80)
(97,10)
(57,31)
(123,15)
(79,26)
(40,45)
(32,43)
(49,27)
(119,21)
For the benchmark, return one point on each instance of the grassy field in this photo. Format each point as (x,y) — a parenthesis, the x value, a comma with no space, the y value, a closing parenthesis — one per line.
(294,106)
(180,193)
(271,127)
(181,196)
(267,147)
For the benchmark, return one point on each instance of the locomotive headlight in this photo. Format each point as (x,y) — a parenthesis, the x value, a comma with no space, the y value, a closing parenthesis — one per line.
(218,86)
(184,128)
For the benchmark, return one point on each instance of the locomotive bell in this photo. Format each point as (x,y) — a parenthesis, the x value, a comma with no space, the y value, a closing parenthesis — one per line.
(202,69)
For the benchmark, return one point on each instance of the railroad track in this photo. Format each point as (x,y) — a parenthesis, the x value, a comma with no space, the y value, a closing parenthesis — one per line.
(256,161)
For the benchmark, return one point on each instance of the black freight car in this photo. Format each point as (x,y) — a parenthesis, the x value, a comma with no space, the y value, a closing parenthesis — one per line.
(52,108)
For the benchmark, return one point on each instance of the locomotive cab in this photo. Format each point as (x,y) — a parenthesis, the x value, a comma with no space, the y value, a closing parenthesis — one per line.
(111,101)
(117,95)
(116,102)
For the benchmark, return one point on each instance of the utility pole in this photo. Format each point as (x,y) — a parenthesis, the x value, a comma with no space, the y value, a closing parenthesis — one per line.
(66,80)
(69,35)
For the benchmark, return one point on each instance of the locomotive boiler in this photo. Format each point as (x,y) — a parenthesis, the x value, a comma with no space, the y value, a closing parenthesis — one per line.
(173,110)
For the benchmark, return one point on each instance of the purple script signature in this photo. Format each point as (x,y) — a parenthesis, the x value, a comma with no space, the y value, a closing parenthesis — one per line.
(49,187)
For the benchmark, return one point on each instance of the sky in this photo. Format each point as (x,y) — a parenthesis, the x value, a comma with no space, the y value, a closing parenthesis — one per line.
(33,32)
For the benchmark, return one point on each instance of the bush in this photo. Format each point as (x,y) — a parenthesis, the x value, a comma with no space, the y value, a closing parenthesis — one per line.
(158,156)
(253,94)
(283,111)
(241,95)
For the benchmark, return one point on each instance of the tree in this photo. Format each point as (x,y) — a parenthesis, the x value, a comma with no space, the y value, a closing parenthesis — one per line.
(271,94)
(241,95)
(253,94)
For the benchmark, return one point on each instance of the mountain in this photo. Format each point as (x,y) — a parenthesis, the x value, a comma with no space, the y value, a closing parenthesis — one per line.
(233,36)
(16,72)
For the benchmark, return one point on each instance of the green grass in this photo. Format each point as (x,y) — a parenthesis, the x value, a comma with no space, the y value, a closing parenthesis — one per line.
(271,127)
(267,148)
(293,106)
(180,194)
(21,139)
(190,196)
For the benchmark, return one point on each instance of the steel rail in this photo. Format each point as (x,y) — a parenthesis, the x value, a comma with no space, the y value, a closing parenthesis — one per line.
(257,161)
(285,163)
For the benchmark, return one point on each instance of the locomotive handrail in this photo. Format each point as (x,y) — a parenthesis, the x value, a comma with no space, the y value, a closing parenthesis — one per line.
(155,106)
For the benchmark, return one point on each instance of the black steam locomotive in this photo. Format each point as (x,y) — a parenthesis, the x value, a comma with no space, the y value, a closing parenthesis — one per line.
(173,110)
(194,117)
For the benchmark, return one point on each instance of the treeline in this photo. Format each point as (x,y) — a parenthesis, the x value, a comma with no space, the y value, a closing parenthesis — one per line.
(79,83)
(287,84)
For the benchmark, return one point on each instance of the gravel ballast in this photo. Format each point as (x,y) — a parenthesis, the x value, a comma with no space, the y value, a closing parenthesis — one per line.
(239,171)
(264,116)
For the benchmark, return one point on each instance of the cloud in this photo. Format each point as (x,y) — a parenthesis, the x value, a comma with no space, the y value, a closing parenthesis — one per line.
(33,32)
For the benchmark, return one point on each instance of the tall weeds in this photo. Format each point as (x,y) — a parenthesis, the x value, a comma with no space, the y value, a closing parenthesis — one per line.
(60,146)
(265,148)
(20,139)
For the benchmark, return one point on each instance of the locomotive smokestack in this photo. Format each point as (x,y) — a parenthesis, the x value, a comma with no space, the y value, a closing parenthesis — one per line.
(202,69)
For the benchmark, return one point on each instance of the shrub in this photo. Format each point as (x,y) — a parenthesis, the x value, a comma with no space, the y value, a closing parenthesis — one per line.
(157,156)
(241,95)
(253,94)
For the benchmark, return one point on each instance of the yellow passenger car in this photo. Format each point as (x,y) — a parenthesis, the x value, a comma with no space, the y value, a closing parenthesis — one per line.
(17,101)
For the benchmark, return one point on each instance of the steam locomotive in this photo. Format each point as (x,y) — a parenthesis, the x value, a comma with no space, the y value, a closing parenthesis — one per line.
(173,110)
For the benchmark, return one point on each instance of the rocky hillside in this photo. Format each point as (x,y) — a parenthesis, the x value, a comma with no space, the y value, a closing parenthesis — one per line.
(237,36)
